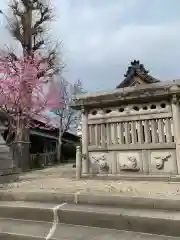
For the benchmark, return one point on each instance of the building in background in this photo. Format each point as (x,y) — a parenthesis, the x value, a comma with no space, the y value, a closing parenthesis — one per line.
(45,141)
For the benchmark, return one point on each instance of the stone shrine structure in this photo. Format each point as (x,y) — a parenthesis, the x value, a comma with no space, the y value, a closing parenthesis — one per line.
(8,168)
(134,129)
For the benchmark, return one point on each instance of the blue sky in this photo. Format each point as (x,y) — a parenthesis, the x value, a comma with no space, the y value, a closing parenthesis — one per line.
(101,37)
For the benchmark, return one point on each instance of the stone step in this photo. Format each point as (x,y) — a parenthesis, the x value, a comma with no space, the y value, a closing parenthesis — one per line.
(8,178)
(138,220)
(152,221)
(122,201)
(11,229)
(136,177)
(27,210)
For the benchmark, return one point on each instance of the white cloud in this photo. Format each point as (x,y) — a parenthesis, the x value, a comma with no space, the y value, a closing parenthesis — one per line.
(101,37)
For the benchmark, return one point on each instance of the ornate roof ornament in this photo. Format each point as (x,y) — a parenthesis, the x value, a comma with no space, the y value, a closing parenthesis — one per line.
(136,69)
(135,66)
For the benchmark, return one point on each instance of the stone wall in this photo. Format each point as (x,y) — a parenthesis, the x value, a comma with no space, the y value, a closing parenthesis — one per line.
(132,129)
(132,138)
(8,168)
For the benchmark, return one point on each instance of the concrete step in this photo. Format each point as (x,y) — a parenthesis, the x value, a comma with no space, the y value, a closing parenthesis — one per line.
(23,230)
(30,230)
(122,201)
(27,210)
(8,178)
(138,220)
(135,177)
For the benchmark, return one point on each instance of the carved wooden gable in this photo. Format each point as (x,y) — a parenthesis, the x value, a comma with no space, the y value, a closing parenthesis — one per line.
(135,75)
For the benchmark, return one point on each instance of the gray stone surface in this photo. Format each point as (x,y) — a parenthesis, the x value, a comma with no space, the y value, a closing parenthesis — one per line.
(27,210)
(28,230)
(7,164)
(92,199)
(61,179)
(133,128)
(138,220)
(81,233)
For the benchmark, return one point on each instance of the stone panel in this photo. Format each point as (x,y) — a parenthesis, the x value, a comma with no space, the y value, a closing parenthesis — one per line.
(7,167)
(163,161)
(130,109)
(129,161)
(99,162)
(6,164)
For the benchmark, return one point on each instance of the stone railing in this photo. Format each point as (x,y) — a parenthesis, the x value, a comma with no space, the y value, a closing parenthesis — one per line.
(78,162)
(122,132)
(42,159)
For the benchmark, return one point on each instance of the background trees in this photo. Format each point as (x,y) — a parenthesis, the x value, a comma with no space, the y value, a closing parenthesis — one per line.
(22,97)
(69,118)
(27,23)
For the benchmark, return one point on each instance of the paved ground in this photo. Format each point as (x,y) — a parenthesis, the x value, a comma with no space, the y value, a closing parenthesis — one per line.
(62,178)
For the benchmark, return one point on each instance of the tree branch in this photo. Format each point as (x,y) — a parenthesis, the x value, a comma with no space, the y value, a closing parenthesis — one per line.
(33,35)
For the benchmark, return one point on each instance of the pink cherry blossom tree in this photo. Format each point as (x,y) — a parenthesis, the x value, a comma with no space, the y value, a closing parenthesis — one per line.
(22,96)
(28,23)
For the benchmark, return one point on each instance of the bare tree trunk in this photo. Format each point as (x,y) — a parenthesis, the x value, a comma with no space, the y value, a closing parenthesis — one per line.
(25,149)
(27,48)
(22,136)
(25,136)
(59,147)
(18,143)
(21,145)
